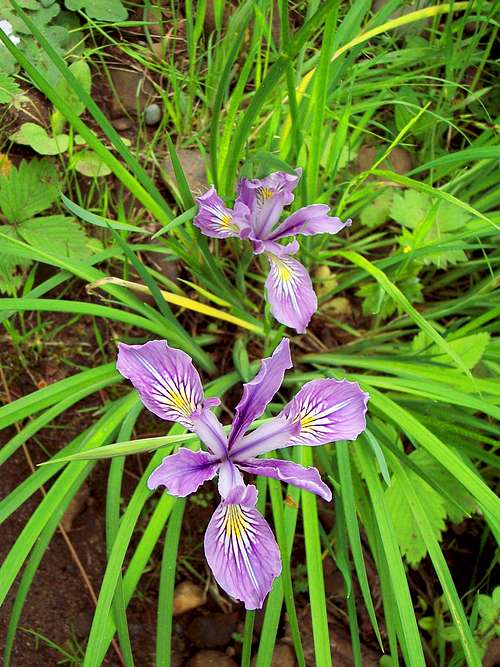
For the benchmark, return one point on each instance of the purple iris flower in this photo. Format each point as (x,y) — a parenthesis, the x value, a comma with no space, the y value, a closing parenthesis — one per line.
(239,545)
(255,217)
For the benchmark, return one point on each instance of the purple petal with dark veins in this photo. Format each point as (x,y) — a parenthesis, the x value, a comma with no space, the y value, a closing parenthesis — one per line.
(266,199)
(165,378)
(216,220)
(289,473)
(290,292)
(241,550)
(309,220)
(327,410)
(258,392)
(184,472)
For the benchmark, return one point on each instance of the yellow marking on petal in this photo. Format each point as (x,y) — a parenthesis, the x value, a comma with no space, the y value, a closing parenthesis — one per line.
(235,522)
(266,193)
(285,273)
(225,220)
(307,421)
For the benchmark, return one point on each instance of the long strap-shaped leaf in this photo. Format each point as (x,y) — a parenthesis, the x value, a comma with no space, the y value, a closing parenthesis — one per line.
(410,637)
(444,454)
(394,292)
(450,592)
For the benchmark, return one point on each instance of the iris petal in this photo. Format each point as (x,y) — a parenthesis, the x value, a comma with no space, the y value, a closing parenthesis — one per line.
(290,292)
(165,378)
(184,472)
(258,392)
(241,549)
(216,220)
(327,410)
(289,473)
(309,220)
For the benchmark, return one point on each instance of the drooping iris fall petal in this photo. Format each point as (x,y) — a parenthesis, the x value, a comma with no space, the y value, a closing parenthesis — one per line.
(184,472)
(290,292)
(165,378)
(241,550)
(289,473)
(327,410)
(308,221)
(216,220)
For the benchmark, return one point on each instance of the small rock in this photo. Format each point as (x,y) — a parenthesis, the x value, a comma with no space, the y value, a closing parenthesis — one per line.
(339,306)
(283,656)
(132,92)
(76,507)
(325,280)
(211,659)
(152,114)
(122,124)
(154,19)
(187,595)
(193,165)
(398,159)
(213,630)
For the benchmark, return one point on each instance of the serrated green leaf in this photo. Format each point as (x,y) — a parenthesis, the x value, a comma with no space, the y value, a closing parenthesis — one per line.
(28,190)
(35,136)
(61,234)
(438,473)
(409,537)
(8,88)
(377,212)
(102,10)
(469,348)
(410,207)
(10,264)
(428,220)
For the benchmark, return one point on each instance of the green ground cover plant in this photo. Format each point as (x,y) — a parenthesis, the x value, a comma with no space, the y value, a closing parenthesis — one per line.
(390,111)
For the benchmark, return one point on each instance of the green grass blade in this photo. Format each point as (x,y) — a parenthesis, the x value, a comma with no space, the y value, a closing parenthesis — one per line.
(399,584)
(314,561)
(167,584)
(352,527)
(438,560)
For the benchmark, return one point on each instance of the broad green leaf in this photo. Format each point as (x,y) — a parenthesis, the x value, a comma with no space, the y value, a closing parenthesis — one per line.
(10,264)
(8,88)
(28,190)
(63,235)
(81,72)
(36,136)
(377,211)
(470,349)
(409,537)
(102,10)
(90,164)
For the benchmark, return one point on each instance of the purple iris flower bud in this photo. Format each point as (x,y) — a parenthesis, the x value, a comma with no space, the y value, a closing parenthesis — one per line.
(239,544)
(255,217)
